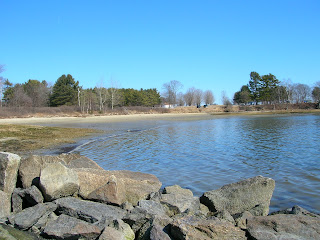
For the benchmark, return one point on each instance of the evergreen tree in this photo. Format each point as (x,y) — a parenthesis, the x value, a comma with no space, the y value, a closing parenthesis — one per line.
(64,91)
(255,86)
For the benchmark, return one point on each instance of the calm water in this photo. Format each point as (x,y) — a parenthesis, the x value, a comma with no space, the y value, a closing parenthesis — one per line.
(203,155)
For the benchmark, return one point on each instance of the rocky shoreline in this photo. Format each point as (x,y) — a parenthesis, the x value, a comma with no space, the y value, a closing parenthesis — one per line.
(70,197)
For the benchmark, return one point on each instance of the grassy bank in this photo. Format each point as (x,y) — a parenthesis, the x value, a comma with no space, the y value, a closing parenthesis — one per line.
(25,138)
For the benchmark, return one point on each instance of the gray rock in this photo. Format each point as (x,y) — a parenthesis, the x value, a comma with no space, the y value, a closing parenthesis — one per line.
(160,228)
(58,181)
(5,205)
(157,233)
(33,195)
(241,219)
(296,210)
(190,227)
(9,165)
(204,210)
(127,206)
(66,227)
(117,230)
(179,202)
(225,215)
(116,187)
(177,190)
(31,167)
(88,211)
(253,195)
(144,231)
(160,225)
(28,197)
(17,200)
(152,207)
(30,216)
(44,220)
(136,218)
(10,233)
(284,226)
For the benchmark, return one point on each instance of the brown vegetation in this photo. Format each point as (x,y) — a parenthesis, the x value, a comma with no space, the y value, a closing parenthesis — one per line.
(24,138)
(72,111)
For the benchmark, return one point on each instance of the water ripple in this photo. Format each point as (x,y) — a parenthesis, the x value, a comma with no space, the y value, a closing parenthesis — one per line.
(207,154)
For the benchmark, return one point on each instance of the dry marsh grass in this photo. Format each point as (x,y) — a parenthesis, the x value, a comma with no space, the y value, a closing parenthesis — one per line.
(24,138)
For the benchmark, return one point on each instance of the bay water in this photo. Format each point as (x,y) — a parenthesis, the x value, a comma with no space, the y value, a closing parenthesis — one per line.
(205,154)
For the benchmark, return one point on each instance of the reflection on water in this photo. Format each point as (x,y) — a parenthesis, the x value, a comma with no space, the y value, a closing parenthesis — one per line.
(205,154)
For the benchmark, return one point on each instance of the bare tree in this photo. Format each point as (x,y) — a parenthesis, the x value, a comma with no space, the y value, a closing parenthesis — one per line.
(316,92)
(289,86)
(170,91)
(208,97)
(189,96)
(301,92)
(198,97)
(113,94)
(20,98)
(2,80)
(102,95)
(225,100)
(180,99)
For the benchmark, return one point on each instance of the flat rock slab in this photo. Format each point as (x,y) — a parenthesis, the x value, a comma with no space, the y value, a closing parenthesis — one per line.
(153,207)
(253,195)
(284,226)
(88,211)
(66,227)
(30,216)
(191,227)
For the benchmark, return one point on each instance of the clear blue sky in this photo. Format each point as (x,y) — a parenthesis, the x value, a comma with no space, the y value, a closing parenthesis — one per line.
(143,44)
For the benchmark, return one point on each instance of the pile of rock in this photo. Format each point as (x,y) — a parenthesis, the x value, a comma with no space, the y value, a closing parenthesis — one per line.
(71,197)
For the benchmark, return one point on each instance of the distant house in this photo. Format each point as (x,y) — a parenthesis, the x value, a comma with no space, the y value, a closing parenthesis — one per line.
(167,105)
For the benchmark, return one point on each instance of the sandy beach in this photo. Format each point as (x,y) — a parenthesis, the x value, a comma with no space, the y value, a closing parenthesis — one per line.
(106,119)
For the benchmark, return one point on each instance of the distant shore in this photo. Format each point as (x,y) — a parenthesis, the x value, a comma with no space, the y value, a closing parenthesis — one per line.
(139,117)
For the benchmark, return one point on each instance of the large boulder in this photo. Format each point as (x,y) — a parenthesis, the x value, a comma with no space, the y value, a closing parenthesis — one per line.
(190,227)
(253,195)
(31,167)
(179,200)
(58,181)
(116,187)
(66,227)
(5,204)
(284,226)
(88,211)
(9,165)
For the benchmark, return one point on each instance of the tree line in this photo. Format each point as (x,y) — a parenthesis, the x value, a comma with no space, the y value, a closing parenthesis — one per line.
(261,89)
(67,91)
(267,89)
